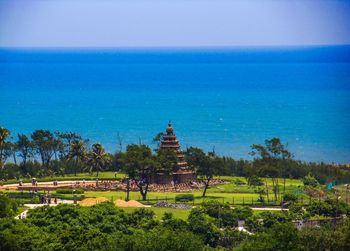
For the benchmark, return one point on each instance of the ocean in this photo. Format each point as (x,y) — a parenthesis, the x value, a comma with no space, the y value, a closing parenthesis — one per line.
(226,98)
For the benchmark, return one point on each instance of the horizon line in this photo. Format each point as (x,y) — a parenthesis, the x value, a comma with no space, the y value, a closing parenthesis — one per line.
(178,47)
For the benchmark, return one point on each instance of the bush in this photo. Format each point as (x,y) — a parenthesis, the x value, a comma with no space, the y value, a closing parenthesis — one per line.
(22,195)
(70,191)
(213,208)
(328,208)
(239,182)
(69,197)
(184,198)
(254,181)
(8,207)
(242,213)
(289,197)
(310,180)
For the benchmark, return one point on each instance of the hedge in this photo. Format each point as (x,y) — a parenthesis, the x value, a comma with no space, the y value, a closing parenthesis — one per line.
(184,197)
(69,191)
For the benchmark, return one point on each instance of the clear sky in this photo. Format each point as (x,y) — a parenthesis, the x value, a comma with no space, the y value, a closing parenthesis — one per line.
(141,23)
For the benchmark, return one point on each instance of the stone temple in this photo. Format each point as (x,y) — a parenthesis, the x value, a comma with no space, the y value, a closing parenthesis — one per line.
(182,173)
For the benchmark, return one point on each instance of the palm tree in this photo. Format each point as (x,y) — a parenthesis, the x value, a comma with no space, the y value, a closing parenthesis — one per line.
(97,158)
(4,134)
(77,152)
(5,150)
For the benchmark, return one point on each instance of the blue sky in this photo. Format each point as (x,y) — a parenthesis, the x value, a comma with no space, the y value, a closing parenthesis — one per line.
(141,23)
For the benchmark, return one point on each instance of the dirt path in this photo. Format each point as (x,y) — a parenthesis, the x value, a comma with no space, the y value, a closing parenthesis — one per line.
(31,206)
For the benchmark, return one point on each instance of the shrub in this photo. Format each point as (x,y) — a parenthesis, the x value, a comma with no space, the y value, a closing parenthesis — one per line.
(8,207)
(310,180)
(289,197)
(242,213)
(70,191)
(22,195)
(184,198)
(254,181)
(239,182)
(213,208)
(329,208)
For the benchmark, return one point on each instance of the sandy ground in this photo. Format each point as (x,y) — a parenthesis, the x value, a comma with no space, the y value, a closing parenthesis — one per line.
(92,201)
(130,203)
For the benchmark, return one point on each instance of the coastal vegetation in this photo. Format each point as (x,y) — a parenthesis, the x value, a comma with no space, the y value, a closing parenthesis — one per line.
(272,178)
(267,179)
(48,154)
(212,225)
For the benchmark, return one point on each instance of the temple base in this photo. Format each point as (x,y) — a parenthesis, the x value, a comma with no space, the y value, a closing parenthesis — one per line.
(177,178)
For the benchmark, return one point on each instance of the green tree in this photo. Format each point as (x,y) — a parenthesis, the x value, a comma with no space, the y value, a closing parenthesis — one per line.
(163,239)
(272,161)
(310,180)
(77,152)
(5,146)
(25,150)
(97,159)
(139,164)
(206,165)
(67,138)
(158,138)
(167,160)
(279,237)
(45,145)
(7,206)
(200,223)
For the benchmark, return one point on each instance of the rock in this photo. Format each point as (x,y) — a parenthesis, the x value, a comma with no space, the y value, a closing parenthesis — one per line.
(172,205)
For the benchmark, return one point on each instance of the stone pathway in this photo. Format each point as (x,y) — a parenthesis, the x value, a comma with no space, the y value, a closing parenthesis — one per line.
(31,206)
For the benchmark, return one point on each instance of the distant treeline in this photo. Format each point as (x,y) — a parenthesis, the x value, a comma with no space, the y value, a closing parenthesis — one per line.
(46,153)
(296,169)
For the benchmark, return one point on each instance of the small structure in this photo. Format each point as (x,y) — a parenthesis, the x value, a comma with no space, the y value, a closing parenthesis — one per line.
(182,173)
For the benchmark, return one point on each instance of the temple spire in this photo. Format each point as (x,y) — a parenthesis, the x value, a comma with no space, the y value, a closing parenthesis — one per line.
(169,142)
(170,130)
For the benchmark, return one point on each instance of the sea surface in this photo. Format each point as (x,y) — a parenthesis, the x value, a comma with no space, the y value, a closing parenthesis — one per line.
(227,99)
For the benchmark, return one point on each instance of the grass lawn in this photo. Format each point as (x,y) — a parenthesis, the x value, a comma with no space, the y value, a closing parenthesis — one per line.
(159,212)
(154,197)
(233,192)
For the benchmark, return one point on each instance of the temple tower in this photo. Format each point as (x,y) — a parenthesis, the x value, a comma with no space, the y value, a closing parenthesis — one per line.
(182,174)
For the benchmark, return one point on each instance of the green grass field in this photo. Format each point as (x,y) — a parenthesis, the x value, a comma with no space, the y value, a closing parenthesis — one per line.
(236,191)
(79,176)
(226,193)
(154,197)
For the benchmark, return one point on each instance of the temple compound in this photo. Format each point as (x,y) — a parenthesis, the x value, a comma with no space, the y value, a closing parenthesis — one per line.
(182,173)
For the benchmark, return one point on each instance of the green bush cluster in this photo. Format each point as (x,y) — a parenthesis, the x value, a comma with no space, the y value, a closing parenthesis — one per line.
(209,227)
(70,191)
(8,207)
(310,180)
(328,207)
(184,198)
(289,197)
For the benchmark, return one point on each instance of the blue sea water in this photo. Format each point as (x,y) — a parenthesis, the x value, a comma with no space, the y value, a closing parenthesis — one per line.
(223,98)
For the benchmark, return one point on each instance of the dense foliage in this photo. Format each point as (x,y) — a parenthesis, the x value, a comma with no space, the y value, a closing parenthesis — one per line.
(105,227)
(8,207)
